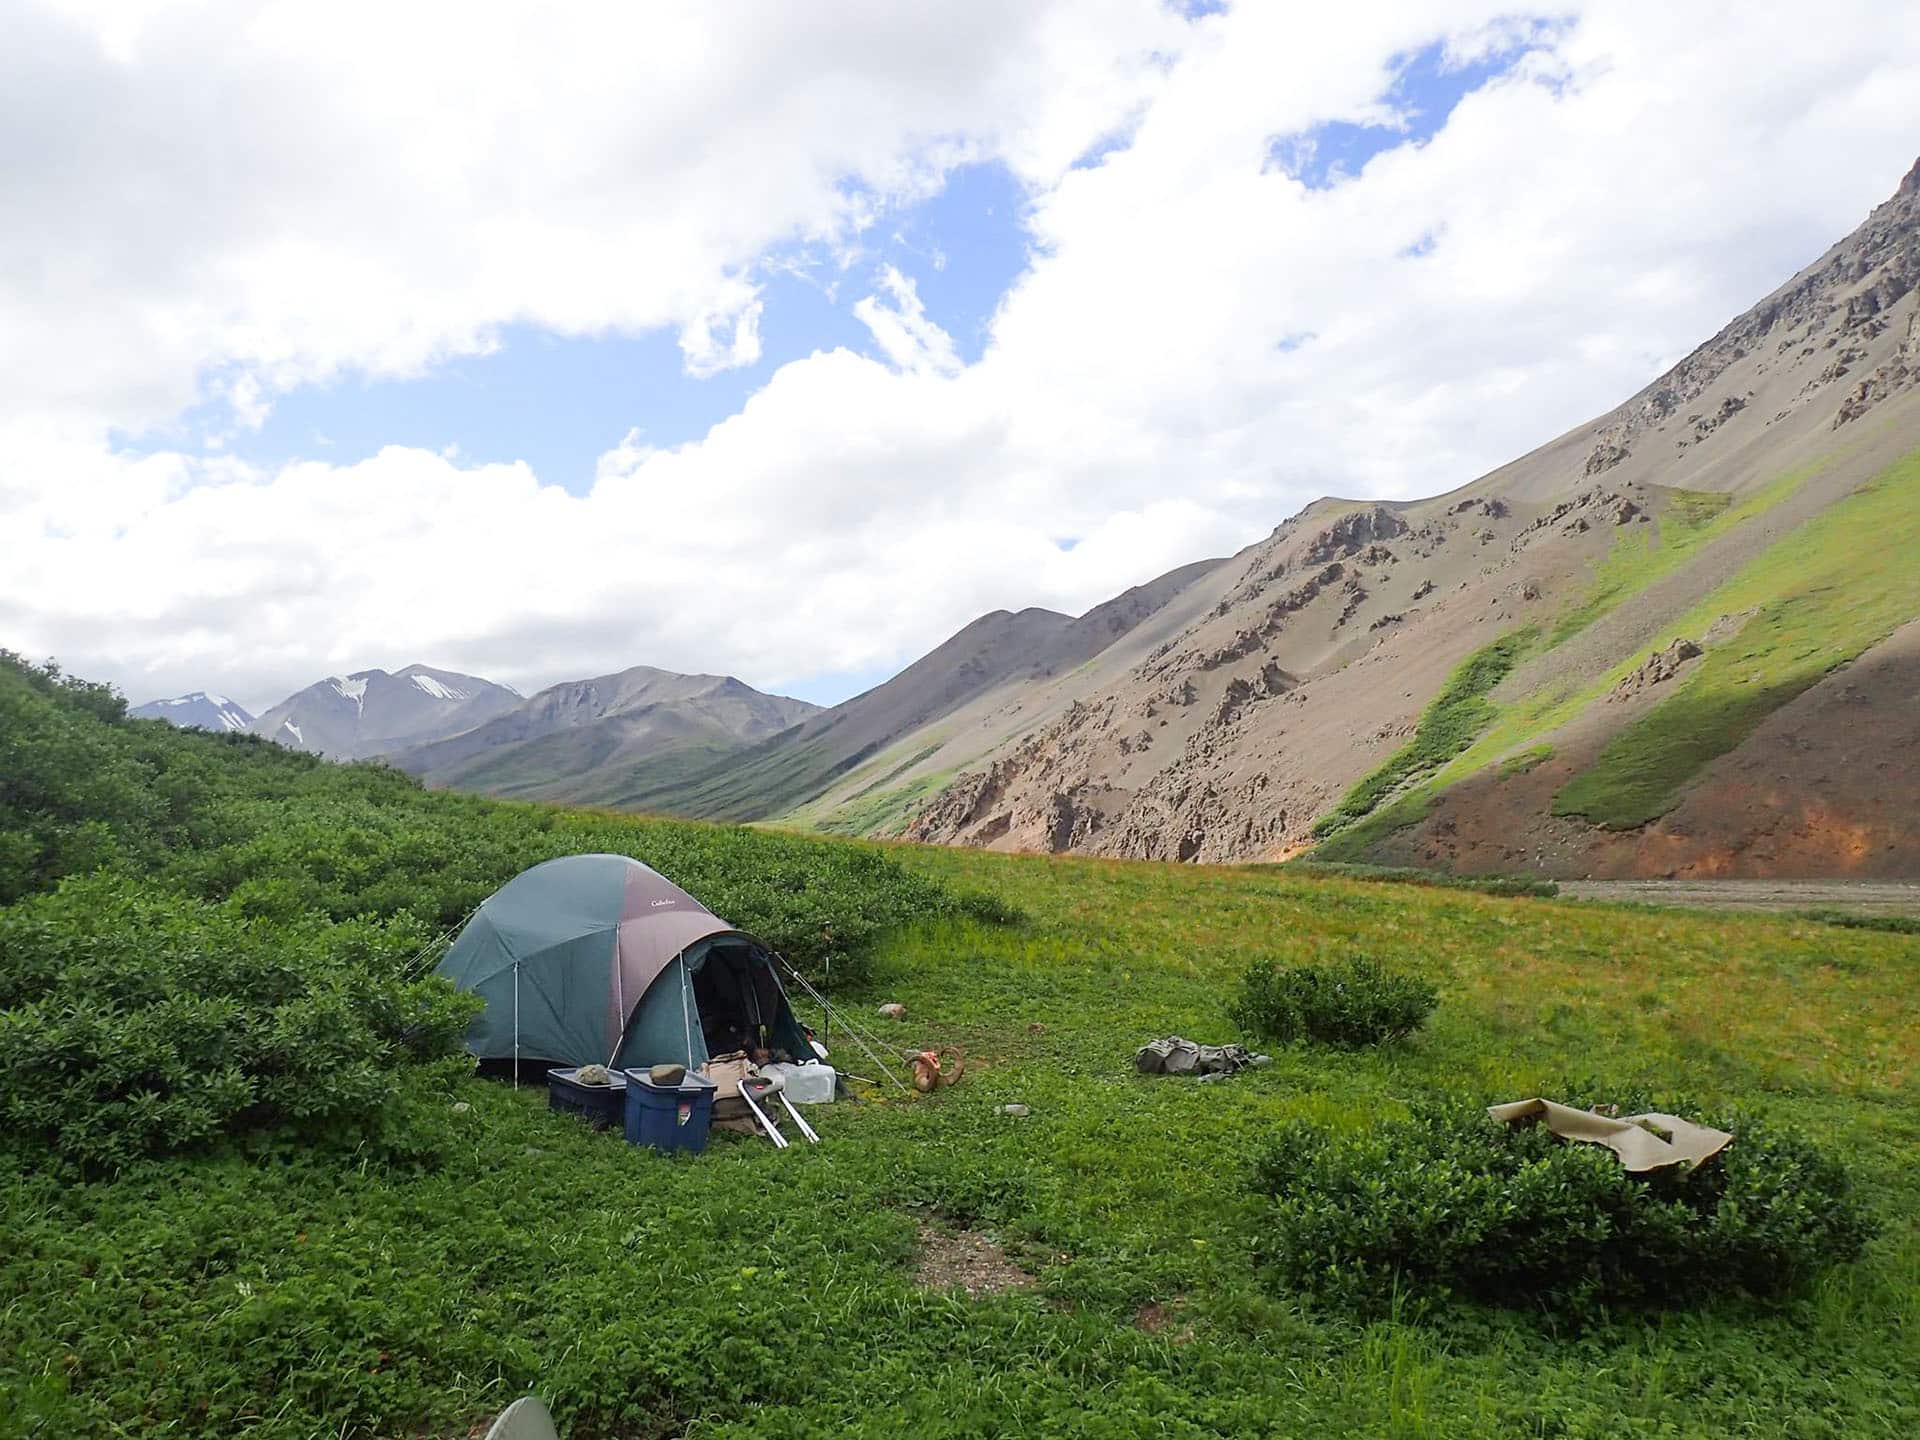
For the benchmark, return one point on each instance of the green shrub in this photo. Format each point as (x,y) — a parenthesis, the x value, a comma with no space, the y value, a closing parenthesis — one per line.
(1853,920)
(134,1022)
(1450,1201)
(434,857)
(1348,1005)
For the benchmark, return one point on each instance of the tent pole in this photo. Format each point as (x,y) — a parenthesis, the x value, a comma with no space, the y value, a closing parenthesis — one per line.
(619,1003)
(516,1024)
(686,1019)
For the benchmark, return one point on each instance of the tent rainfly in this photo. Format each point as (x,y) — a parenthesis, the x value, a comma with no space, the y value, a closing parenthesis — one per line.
(596,959)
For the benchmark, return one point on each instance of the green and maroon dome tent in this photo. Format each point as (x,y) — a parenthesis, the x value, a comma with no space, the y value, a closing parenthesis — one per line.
(596,959)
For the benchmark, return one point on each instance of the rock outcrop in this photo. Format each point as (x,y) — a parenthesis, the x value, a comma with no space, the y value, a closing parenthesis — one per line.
(1656,670)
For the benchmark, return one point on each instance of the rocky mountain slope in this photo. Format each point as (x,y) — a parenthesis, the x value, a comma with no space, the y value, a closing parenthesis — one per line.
(370,712)
(1674,640)
(595,740)
(817,761)
(198,710)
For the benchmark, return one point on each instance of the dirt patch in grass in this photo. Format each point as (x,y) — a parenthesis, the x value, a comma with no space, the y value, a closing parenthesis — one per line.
(967,1260)
(1157,1317)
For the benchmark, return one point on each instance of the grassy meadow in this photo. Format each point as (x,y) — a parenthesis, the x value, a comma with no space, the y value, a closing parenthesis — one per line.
(408,1273)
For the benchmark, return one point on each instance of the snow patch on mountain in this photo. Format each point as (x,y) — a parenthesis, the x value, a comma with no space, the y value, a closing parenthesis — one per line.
(438,691)
(352,688)
(200,708)
(293,730)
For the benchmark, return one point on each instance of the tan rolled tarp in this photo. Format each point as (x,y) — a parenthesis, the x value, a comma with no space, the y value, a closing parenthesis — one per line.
(726,1072)
(1669,1141)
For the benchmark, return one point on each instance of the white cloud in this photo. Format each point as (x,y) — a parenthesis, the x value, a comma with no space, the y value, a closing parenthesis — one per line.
(247,402)
(293,191)
(1200,345)
(712,343)
(902,330)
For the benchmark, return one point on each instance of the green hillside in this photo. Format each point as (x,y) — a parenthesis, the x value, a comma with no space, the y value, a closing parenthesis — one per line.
(586,767)
(1818,597)
(192,923)
(752,784)
(1823,595)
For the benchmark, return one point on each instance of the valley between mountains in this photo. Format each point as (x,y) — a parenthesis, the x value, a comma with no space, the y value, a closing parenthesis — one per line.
(1680,640)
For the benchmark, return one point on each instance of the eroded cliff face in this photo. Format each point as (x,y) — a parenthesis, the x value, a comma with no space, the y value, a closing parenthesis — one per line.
(1228,740)
(1233,735)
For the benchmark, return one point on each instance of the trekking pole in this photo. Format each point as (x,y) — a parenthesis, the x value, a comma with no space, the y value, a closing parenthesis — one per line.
(780,1142)
(805,1129)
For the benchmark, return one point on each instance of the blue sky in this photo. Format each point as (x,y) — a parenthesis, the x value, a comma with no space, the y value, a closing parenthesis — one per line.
(1427,85)
(559,402)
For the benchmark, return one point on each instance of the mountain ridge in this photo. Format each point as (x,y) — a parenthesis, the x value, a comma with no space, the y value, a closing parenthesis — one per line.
(366,712)
(1445,681)
(573,740)
(1330,642)
(793,767)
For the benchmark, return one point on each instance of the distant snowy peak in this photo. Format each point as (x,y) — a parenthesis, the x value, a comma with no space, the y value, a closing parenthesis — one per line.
(371,712)
(199,710)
